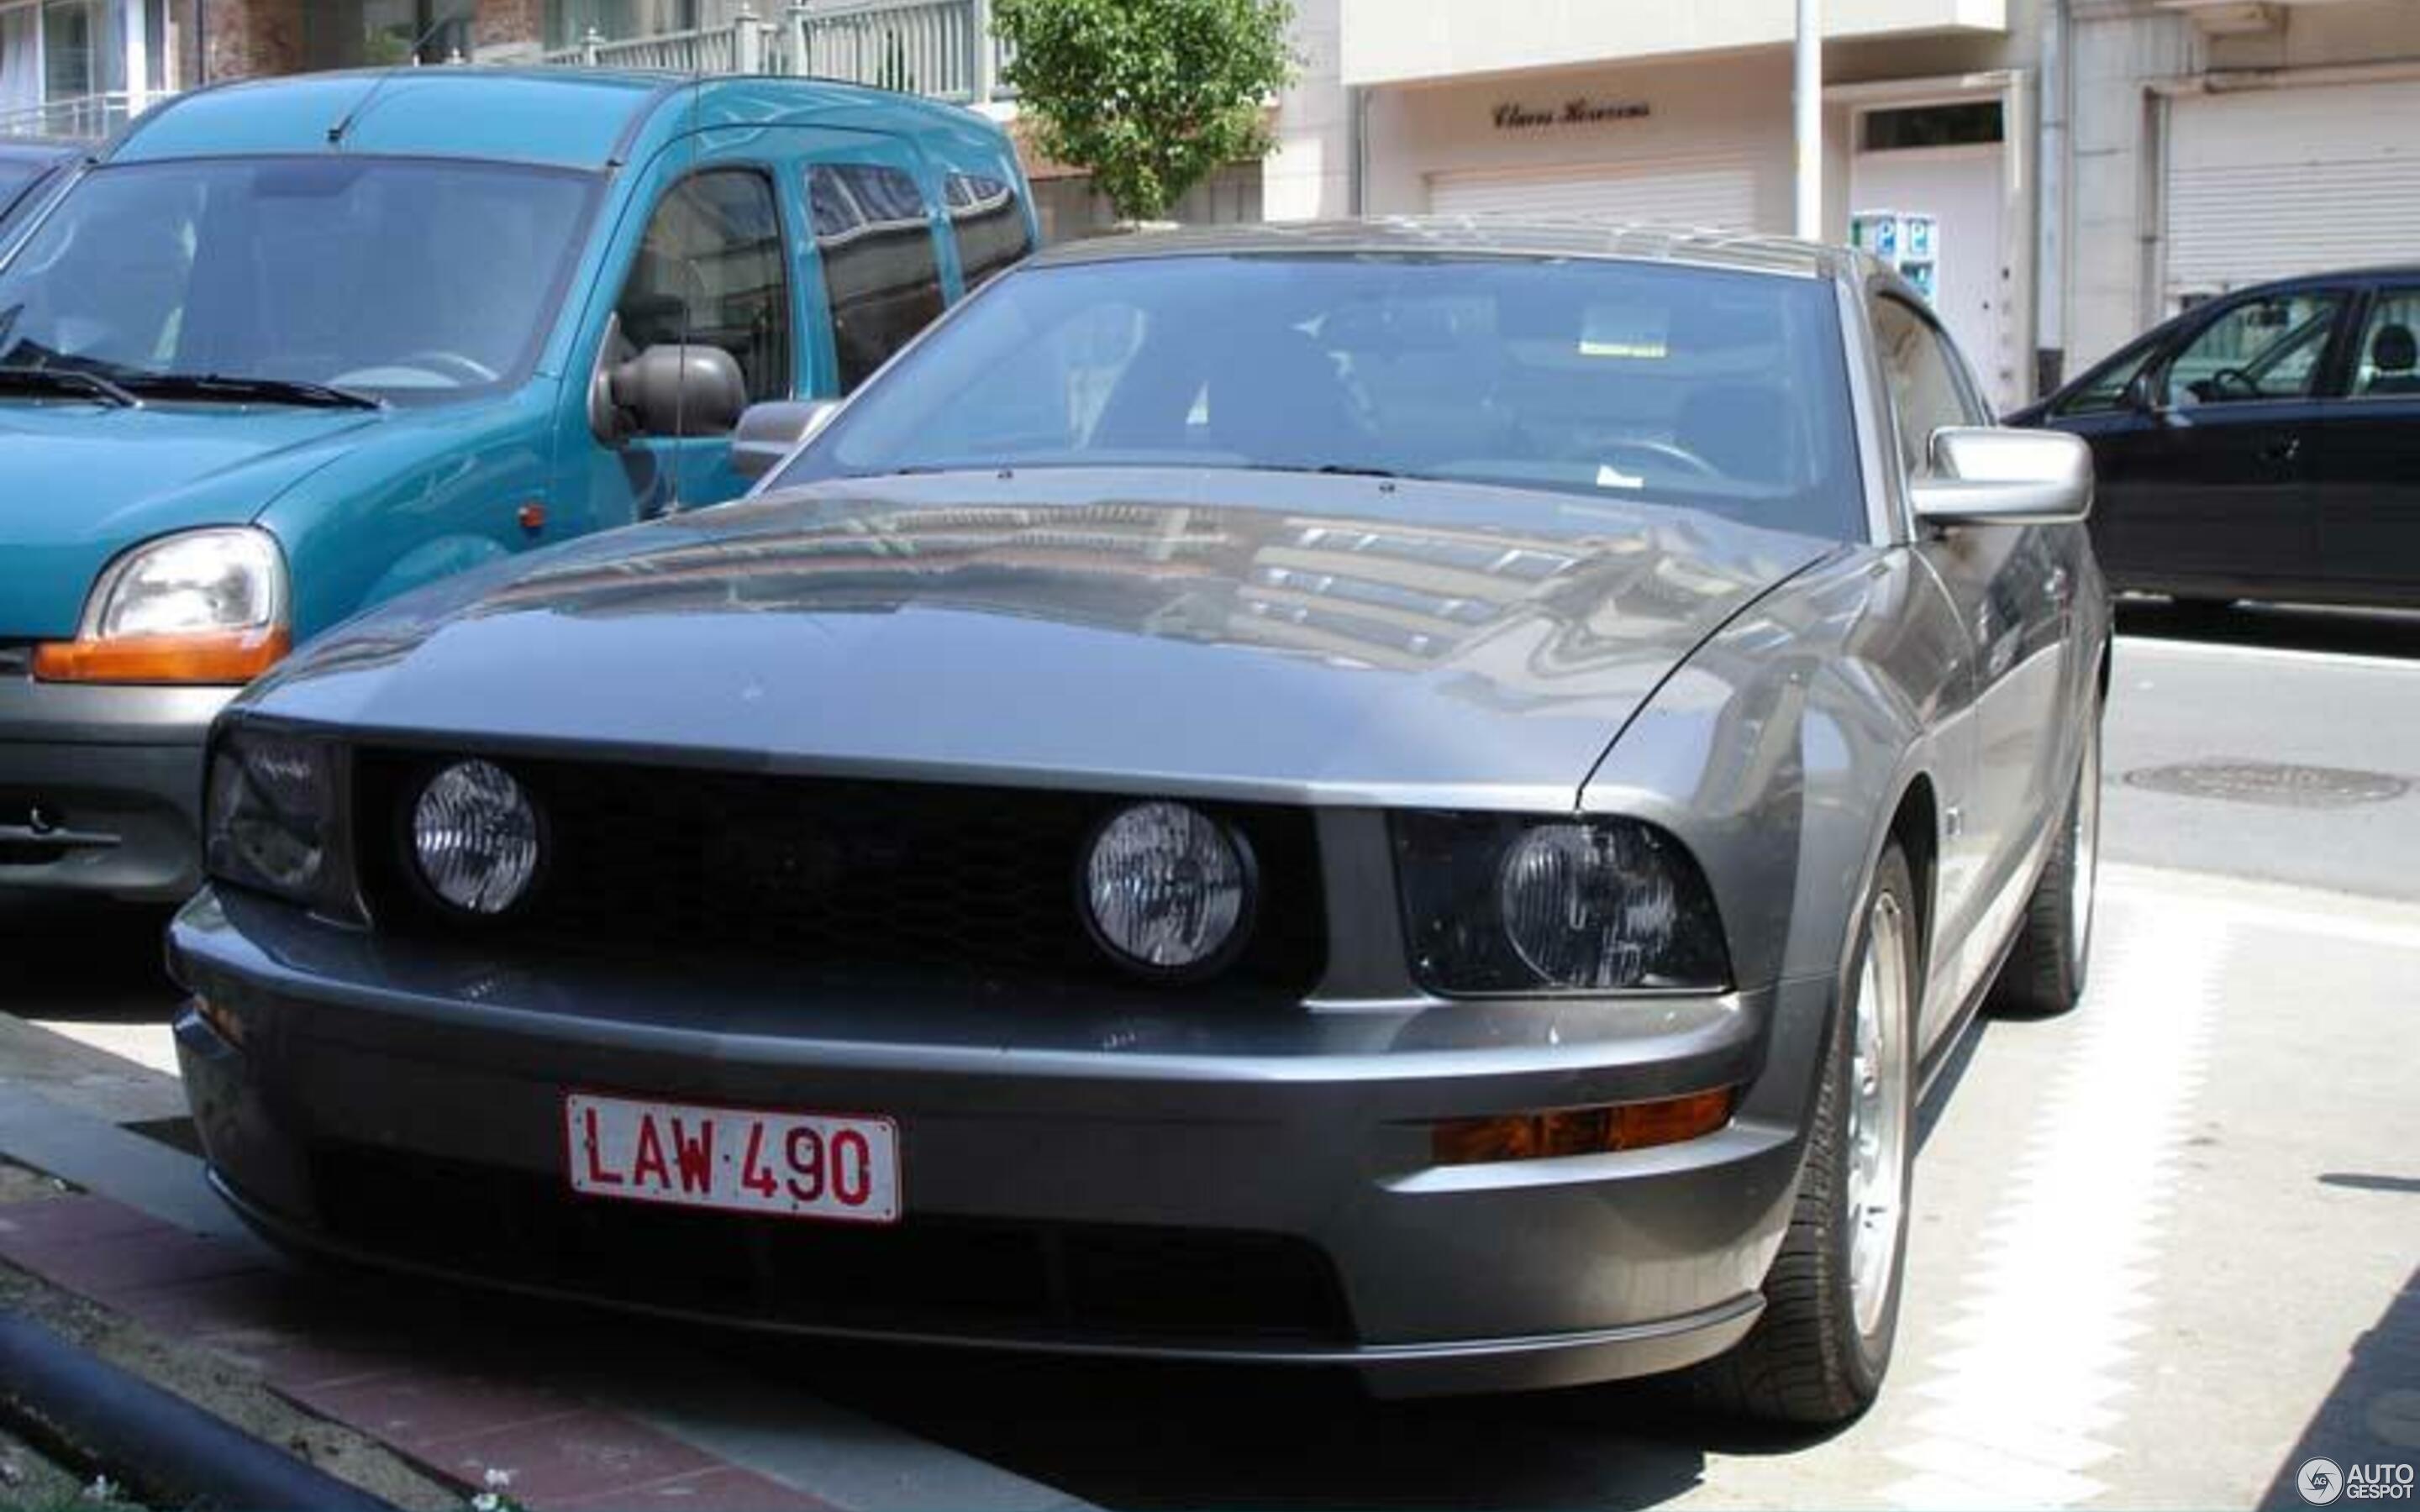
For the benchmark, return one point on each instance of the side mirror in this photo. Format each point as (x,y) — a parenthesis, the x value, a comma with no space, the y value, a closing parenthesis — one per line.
(2138,395)
(2005,477)
(678,391)
(769,433)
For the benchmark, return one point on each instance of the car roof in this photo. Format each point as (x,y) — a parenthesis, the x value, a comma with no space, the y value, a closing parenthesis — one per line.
(40,148)
(572,118)
(1471,237)
(2299,282)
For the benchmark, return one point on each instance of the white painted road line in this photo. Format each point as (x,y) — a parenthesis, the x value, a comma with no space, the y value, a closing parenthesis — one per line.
(2045,1339)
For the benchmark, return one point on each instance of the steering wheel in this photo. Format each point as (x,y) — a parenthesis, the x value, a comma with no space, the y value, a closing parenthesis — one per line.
(453,364)
(1680,457)
(2231,383)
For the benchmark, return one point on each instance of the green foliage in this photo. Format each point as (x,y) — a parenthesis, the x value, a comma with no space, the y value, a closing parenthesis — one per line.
(1152,96)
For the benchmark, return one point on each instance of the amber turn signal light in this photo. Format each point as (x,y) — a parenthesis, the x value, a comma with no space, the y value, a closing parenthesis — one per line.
(1580,1131)
(219,658)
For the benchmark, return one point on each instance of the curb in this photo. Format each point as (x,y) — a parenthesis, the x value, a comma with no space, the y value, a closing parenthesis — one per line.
(169,1450)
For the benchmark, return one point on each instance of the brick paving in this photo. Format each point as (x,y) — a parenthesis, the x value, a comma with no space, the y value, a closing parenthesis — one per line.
(421,1399)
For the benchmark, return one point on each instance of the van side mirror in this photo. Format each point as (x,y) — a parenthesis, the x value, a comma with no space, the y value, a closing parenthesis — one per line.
(1988,476)
(678,391)
(769,433)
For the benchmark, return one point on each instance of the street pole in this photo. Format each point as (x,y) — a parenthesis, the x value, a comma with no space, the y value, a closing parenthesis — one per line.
(1808,102)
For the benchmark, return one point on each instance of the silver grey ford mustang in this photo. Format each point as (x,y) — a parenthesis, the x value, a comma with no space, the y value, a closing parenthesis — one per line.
(1420,798)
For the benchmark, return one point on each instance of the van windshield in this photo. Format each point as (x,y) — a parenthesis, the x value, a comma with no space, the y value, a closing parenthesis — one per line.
(399,279)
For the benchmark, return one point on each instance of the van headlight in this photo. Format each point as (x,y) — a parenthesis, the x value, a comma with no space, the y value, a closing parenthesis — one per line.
(1509,903)
(273,819)
(199,607)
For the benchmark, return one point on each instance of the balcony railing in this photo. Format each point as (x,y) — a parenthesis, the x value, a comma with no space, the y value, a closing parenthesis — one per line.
(83,116)
(938,48)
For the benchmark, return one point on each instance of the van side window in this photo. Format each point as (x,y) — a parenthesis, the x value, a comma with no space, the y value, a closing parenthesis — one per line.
(989,224)
(880,269)
(710,271)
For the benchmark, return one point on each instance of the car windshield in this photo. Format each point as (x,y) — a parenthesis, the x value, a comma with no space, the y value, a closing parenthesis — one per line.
(1712,389)
(400,278)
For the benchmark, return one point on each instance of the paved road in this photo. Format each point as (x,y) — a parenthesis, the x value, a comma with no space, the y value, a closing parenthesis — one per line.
(2165,1248)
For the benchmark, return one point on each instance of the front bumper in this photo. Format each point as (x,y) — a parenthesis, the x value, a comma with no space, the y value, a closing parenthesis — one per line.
(100,788)
(337,1082)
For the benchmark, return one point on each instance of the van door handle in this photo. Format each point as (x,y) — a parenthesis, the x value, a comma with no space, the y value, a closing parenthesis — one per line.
(2278,453)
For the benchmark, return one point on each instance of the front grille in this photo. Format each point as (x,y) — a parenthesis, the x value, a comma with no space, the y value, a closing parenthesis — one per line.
(16,661)
(1063,1280)
(662,862)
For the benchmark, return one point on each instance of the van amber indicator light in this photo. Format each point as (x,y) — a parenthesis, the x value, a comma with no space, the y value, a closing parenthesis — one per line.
(224,659)
(1580,1131)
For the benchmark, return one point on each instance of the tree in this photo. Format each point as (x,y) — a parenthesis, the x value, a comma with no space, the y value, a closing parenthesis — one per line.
(1151,96)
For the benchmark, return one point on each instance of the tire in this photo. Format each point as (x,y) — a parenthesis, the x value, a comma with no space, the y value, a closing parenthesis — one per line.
(2045,971)
(1817,1354)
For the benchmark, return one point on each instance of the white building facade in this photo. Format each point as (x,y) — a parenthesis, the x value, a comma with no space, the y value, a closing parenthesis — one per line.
(2087,167)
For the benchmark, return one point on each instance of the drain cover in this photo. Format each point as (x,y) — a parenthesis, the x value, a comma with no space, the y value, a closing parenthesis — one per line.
(2275,783)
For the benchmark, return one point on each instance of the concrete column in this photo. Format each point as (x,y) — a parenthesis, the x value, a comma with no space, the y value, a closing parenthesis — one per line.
(1807,103)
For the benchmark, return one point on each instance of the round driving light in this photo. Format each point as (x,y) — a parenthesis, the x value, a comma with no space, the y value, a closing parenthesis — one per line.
(1585,906)
(1167,889)
(474,837)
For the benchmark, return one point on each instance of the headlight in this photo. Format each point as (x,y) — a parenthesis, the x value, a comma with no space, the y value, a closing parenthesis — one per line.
(474,837)
(273,819)
(1509,903)
(206,605)
(1168,891)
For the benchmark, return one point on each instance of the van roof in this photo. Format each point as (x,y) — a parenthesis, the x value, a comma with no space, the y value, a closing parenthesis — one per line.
(565,118)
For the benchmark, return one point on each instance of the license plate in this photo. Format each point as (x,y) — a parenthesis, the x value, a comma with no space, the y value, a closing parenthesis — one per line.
(737,1160)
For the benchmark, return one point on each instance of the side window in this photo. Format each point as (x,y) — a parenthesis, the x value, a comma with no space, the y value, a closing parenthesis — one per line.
(2388,360)
(2107,390)
(1925,392)
(988,222)
(880,270)
(2264,349)
(710,271)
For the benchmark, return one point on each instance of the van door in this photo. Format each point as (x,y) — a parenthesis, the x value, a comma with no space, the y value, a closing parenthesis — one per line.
(707,264)
(873,207)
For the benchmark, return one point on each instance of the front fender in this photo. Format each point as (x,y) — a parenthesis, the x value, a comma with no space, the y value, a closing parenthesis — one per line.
(432,560)
(1778,752)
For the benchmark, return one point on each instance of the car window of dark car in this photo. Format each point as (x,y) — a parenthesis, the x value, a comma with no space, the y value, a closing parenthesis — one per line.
(2104,389)
(2387,361)
(881,273)
(1926,390)
(2262,348)
(987,220)
(711,270)
(1717,388)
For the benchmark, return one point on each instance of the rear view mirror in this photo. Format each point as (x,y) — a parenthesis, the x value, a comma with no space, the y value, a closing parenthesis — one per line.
(678,391)
(2005,477)
(2138,395)
(769,433)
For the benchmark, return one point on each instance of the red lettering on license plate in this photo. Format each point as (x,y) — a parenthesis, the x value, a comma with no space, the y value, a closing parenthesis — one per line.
(737,1159)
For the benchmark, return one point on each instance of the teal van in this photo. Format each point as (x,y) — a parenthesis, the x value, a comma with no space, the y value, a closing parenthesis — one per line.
(288,348)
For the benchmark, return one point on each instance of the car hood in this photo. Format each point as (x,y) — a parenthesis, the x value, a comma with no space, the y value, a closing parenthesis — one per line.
(1233,634)
(80,483)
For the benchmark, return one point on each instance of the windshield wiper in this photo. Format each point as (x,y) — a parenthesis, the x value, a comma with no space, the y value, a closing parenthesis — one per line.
(273,391)
(68,380)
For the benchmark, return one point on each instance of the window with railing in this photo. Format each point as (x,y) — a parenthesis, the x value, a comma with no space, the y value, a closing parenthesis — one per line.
(62,68)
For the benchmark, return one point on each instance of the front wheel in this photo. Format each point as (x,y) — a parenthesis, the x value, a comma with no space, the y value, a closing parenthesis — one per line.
(2045,970)
(1816,1356)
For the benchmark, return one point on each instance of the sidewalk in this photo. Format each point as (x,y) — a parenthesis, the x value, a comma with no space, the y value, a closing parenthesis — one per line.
(583,1410)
